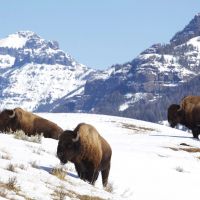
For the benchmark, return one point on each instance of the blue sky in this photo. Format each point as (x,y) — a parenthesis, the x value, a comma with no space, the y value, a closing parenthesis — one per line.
(99,33)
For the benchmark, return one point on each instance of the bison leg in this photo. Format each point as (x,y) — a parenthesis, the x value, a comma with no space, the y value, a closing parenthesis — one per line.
(78,169)
(81,171)
(105,174)
(91,176)
(94,178)
(86,171)
(195,133)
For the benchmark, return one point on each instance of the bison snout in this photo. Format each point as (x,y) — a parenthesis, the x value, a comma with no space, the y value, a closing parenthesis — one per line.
(62,162)
(61,157)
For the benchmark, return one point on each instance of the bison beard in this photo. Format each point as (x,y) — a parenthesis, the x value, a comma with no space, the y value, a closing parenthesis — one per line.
(89,152)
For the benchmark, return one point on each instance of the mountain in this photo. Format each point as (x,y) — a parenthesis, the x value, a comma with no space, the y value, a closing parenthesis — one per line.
(144,87)
(35,72)
(36,75)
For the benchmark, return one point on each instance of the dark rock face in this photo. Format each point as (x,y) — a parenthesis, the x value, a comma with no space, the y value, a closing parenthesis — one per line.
(190,31)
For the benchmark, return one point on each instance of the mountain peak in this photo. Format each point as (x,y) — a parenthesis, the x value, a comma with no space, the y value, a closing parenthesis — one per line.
(26,39)
(25,47)
(27,34)
(190,31)
(15,41)
(198,14)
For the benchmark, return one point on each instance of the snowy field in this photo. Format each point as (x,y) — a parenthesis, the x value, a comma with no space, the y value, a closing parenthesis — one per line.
(149,162)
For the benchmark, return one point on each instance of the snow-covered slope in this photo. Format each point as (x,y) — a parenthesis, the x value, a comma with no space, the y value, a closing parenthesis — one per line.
(149,161)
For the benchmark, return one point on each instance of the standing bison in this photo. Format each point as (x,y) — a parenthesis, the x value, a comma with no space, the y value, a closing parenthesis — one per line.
(31,124)
(89,152)
(187,114)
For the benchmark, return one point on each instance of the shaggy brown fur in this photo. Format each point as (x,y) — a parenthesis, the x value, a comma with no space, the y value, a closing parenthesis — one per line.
(31,124)
(188,100)
(187,114)
(89,152)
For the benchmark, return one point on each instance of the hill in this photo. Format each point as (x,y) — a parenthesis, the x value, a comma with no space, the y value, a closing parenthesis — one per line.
(150,161)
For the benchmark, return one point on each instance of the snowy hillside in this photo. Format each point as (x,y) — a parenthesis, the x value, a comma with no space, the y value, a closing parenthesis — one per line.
(149,161)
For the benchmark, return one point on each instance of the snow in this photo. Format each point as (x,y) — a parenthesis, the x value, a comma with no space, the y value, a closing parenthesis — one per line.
(194,42)
(41,83)
(14,41)
(144,164)
(123,107)
(169,64)
(132,98)
(6,61)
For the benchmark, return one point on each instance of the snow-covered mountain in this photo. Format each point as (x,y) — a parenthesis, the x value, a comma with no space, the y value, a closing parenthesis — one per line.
(141,88)
(35,72)
(149,161)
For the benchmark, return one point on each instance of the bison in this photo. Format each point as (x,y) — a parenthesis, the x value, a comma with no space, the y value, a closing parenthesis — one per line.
(31,124)
(187,114)
(88,150)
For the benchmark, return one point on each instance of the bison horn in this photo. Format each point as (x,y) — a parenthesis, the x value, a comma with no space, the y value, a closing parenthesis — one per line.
(12,115)
(76,138)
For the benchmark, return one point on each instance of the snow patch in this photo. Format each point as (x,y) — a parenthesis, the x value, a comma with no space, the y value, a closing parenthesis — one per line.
(123,107)
(14,41)
(194,42)
(6,61)
(131,99)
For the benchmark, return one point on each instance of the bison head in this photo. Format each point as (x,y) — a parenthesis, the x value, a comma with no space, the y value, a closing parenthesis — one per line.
(6,117)
(175,115)
(68,146)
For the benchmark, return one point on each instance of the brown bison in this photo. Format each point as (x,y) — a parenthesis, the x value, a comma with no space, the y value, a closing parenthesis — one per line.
(89,152)
(31,124)
(187,114)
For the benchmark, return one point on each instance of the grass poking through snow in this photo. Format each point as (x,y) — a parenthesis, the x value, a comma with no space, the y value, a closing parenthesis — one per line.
(22,136)
(59,172)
